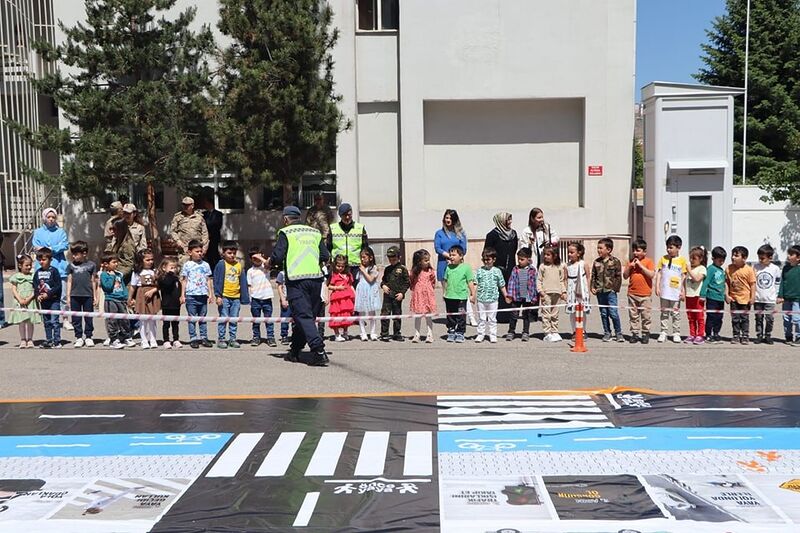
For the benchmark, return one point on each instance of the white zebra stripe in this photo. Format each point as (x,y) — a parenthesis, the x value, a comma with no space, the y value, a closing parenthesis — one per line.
(372,457)
(277,461)
(326,456)
(516,397)
(478,410)
(553,425)
(235,455)
(511,403)
(418,459)
(513,417)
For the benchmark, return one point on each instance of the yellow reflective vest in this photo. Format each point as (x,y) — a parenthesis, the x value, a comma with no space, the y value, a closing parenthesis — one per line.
(302,253)
(347,244)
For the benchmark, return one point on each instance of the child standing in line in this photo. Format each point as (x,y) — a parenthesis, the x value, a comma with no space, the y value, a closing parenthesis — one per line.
(789,296)
(286,312)
(116,297)
(521,294)
(671,272)
(230,290)
(491,284)
(713,292)
(768,280)
(551,284)
(368,295)
(22,289)
(82,293)
(423,295)
(143,298)
(640,271)
(740,285)
(342,298)
(394,284)
(47,284)
(695,306)
(606,282)
(169,291)
(198,292)
(260,297)
(578,283)
(459,286)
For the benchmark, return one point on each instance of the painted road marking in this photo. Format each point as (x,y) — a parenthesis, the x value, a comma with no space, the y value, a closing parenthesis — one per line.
(277,461)
(235,455)
(176,415)
(56,417)
(726,409)
(418,454)
(306,510)
(372,456)
(326,456)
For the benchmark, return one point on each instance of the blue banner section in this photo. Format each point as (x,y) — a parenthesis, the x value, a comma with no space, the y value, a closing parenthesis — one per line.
(121,444)
(621,439)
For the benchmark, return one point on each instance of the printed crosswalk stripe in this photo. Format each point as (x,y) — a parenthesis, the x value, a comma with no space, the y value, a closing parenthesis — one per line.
(306,510)
(457,413)
(518,397)
(419,454)
(372,457)
(552,425)
(478,410)
(326,456)
(277,461)
(518,403)
(234,456)
(513,417)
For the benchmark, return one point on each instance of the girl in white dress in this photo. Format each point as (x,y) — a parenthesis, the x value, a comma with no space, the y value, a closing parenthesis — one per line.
(578,282)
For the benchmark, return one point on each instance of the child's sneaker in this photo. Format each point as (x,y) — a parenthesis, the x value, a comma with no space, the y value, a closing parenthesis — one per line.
(255,342)
(689,340)
(56,345)
(758,340)
(194,344)
(460,337)
(285,340)
(339,338)
(145,345)
(415,338)
(79,343)
(68,325)
(46,345)
(364,337)
(130,343)
(234,344)
(222,345)
(509,336)
(676,338)
(374,338)
(167,345)
(645,338)
(117,345)
(492,339)
(634,338)
(479,338)
(207,343)
(607,337)
(662,337)
(525,337)
(107,342)
(429,339)
(398,338)
(699,340)
(557,337)
(451,337)
(620,337)
(744,340)
(271,342)
(176,345)
(548,338)
(89,343)
(768,340)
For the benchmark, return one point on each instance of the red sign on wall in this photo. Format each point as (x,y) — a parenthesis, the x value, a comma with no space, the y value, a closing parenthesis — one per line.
(595,170)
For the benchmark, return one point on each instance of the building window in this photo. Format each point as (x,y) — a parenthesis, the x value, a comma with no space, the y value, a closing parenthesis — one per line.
(227,196)
(377,15)
(303,195)
(135,194)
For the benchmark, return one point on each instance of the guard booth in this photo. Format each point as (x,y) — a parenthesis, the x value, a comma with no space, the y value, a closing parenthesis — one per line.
(688,169)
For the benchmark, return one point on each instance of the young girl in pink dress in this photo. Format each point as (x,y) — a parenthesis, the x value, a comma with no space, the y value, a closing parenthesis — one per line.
(423,297)
(342,298)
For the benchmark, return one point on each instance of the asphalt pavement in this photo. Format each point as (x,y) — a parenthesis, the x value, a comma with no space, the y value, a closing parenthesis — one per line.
(376,367)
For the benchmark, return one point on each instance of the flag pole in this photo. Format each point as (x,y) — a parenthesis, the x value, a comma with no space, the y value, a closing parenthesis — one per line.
(746,72)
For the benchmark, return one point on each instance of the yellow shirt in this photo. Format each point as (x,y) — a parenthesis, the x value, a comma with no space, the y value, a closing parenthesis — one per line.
(231,287)
(672,272)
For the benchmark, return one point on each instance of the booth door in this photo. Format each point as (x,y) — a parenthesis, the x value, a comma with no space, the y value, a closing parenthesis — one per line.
(698,207)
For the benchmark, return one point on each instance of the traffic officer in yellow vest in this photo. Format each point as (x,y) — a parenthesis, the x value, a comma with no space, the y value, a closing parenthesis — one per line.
(300,251)
(348,238)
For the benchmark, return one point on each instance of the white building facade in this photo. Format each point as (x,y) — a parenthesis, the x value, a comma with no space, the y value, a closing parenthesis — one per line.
(476,105)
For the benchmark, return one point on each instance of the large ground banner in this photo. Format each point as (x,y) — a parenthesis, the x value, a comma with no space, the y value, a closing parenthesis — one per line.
(616,461)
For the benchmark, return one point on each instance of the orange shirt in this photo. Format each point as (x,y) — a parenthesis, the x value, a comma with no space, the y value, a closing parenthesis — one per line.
(638,283)
(740,280)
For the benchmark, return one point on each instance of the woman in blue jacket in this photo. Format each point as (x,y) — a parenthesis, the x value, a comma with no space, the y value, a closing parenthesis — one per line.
(50,235)
(450,235)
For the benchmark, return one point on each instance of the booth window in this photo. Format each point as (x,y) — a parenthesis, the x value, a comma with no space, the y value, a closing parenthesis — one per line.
(378,15)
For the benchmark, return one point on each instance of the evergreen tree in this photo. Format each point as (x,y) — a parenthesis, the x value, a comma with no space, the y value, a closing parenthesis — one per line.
(773,134)
(278,118)
(136,91)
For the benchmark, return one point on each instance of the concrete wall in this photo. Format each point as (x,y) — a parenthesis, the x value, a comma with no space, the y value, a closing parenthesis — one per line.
(757,222)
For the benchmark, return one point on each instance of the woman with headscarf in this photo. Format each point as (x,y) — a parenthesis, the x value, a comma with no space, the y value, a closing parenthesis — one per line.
(503,239)
(51,235)
(537,235)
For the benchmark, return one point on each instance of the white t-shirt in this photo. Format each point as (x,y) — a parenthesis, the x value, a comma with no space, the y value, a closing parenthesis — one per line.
(258,282)
(768,279)
(693,287)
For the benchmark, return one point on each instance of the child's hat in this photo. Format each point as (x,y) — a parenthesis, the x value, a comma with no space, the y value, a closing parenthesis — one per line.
(393,251)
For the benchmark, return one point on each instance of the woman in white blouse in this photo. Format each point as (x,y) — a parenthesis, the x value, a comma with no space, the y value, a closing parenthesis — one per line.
(537,235)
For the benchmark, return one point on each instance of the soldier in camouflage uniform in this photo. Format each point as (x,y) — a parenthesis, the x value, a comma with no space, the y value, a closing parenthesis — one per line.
(130,214)
(186,226)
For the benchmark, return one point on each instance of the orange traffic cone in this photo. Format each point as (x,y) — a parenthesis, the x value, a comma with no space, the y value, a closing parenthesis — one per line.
(579,345)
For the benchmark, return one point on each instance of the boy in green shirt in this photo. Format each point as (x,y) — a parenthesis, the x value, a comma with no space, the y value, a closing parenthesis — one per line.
(789,296)
(459,284)
(713,292)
